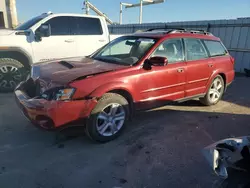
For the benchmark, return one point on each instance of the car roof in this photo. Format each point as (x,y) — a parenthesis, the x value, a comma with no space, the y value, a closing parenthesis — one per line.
(165,34)
(74,15)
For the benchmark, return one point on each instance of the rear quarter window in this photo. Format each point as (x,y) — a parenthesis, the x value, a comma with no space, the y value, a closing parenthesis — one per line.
(215,48)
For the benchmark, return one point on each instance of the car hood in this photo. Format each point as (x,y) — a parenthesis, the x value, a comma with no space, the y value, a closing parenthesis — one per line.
(4,32)
(61,72)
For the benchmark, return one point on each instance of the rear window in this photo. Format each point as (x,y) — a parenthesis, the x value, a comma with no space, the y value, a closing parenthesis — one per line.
(86,26)
(215,48)
(195,50)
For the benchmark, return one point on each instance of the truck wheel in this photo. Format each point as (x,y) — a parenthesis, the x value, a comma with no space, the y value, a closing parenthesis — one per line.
(11,74)
(108,118)
(215,92)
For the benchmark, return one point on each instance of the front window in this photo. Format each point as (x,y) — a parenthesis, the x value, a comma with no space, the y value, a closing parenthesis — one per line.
(59,25)
(172,49)
(28,24)
(125,50)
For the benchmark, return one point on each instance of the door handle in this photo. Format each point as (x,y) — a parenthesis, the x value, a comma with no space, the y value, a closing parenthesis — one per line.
(69,40)
(210,65)
(180,70)
(101,40)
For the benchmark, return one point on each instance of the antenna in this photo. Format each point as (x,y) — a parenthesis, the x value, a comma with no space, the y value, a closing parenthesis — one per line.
(141,4)
(89,6)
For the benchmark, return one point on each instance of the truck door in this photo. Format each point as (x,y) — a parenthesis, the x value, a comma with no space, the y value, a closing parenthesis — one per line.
(89,35)
(61,44)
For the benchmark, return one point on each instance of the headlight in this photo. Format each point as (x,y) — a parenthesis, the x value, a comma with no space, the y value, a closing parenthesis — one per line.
(64,94)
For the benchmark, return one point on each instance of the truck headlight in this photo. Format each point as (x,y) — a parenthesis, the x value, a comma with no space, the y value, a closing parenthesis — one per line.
(65,94)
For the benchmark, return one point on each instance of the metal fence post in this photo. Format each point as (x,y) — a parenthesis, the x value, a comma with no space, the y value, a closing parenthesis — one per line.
(208,27)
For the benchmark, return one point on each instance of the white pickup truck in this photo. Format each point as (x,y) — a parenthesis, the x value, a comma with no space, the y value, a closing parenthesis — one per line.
(47,37)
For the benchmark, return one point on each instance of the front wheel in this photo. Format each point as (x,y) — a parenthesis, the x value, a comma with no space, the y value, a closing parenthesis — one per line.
(215,92)
(107,120)
(11,74)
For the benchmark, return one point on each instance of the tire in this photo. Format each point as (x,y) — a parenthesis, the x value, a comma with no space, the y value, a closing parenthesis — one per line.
(12,72)
(106,121)
(215,92)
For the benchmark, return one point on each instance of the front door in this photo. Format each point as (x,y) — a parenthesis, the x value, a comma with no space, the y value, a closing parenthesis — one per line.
(61,44)
(199,67)
(163,83)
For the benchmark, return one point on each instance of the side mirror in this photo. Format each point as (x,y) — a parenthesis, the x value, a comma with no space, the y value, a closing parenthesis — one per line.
(155,61)
(43,31)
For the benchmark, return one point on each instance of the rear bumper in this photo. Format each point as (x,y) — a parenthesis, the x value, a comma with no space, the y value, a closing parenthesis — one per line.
(53,114)
(230,77)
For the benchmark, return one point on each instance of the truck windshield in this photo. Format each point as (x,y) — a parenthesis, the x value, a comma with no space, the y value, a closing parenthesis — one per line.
(125,50)
(28,24)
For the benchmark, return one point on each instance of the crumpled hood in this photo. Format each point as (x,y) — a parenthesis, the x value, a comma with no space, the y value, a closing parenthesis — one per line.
(63,71)
(4,32)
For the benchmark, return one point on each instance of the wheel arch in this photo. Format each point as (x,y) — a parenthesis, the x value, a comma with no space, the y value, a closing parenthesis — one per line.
(224,79)
(216,73)
(115,87)
(18,54)
(127,96)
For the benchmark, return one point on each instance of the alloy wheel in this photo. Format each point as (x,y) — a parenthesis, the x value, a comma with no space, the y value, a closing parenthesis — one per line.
(110,120)
(10,76)
(215,91)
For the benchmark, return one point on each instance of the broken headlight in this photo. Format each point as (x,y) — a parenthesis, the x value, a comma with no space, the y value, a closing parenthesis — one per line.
(64,94)
(59,94)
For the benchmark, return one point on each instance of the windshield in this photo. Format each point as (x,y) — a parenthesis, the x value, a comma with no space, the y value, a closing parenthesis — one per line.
(125,50)
(28,24)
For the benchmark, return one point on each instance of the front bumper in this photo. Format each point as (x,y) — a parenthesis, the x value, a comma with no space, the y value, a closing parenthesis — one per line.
(52,114)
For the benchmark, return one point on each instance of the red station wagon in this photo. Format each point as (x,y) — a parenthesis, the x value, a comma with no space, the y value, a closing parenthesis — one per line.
(133,72)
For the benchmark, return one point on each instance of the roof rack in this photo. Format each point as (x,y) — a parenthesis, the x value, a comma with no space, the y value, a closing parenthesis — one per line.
(179,30)
(164,29)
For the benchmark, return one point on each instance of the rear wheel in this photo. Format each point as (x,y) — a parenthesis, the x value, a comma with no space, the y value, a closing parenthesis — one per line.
(11,74)
(107,120)
(215,92)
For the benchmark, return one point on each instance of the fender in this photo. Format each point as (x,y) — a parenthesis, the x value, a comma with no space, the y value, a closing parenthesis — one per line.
(98,92)
(214,74)
(6,50)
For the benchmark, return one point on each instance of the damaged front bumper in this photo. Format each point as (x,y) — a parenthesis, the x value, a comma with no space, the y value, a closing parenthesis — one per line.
(225,153)
(51,114)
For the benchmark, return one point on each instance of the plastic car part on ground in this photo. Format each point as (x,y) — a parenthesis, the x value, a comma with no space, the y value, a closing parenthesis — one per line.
(225,154)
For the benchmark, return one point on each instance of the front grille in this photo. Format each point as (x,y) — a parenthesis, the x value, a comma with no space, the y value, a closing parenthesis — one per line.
(31,88)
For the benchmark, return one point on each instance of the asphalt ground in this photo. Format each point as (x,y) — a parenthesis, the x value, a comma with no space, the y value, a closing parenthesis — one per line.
(160,148)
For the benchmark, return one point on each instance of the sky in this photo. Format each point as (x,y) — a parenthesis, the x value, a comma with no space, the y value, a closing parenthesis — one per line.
(171,10)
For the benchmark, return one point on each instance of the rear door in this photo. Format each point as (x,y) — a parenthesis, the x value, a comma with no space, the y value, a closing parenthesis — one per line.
(61,44)
(89,35)
(199,67)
